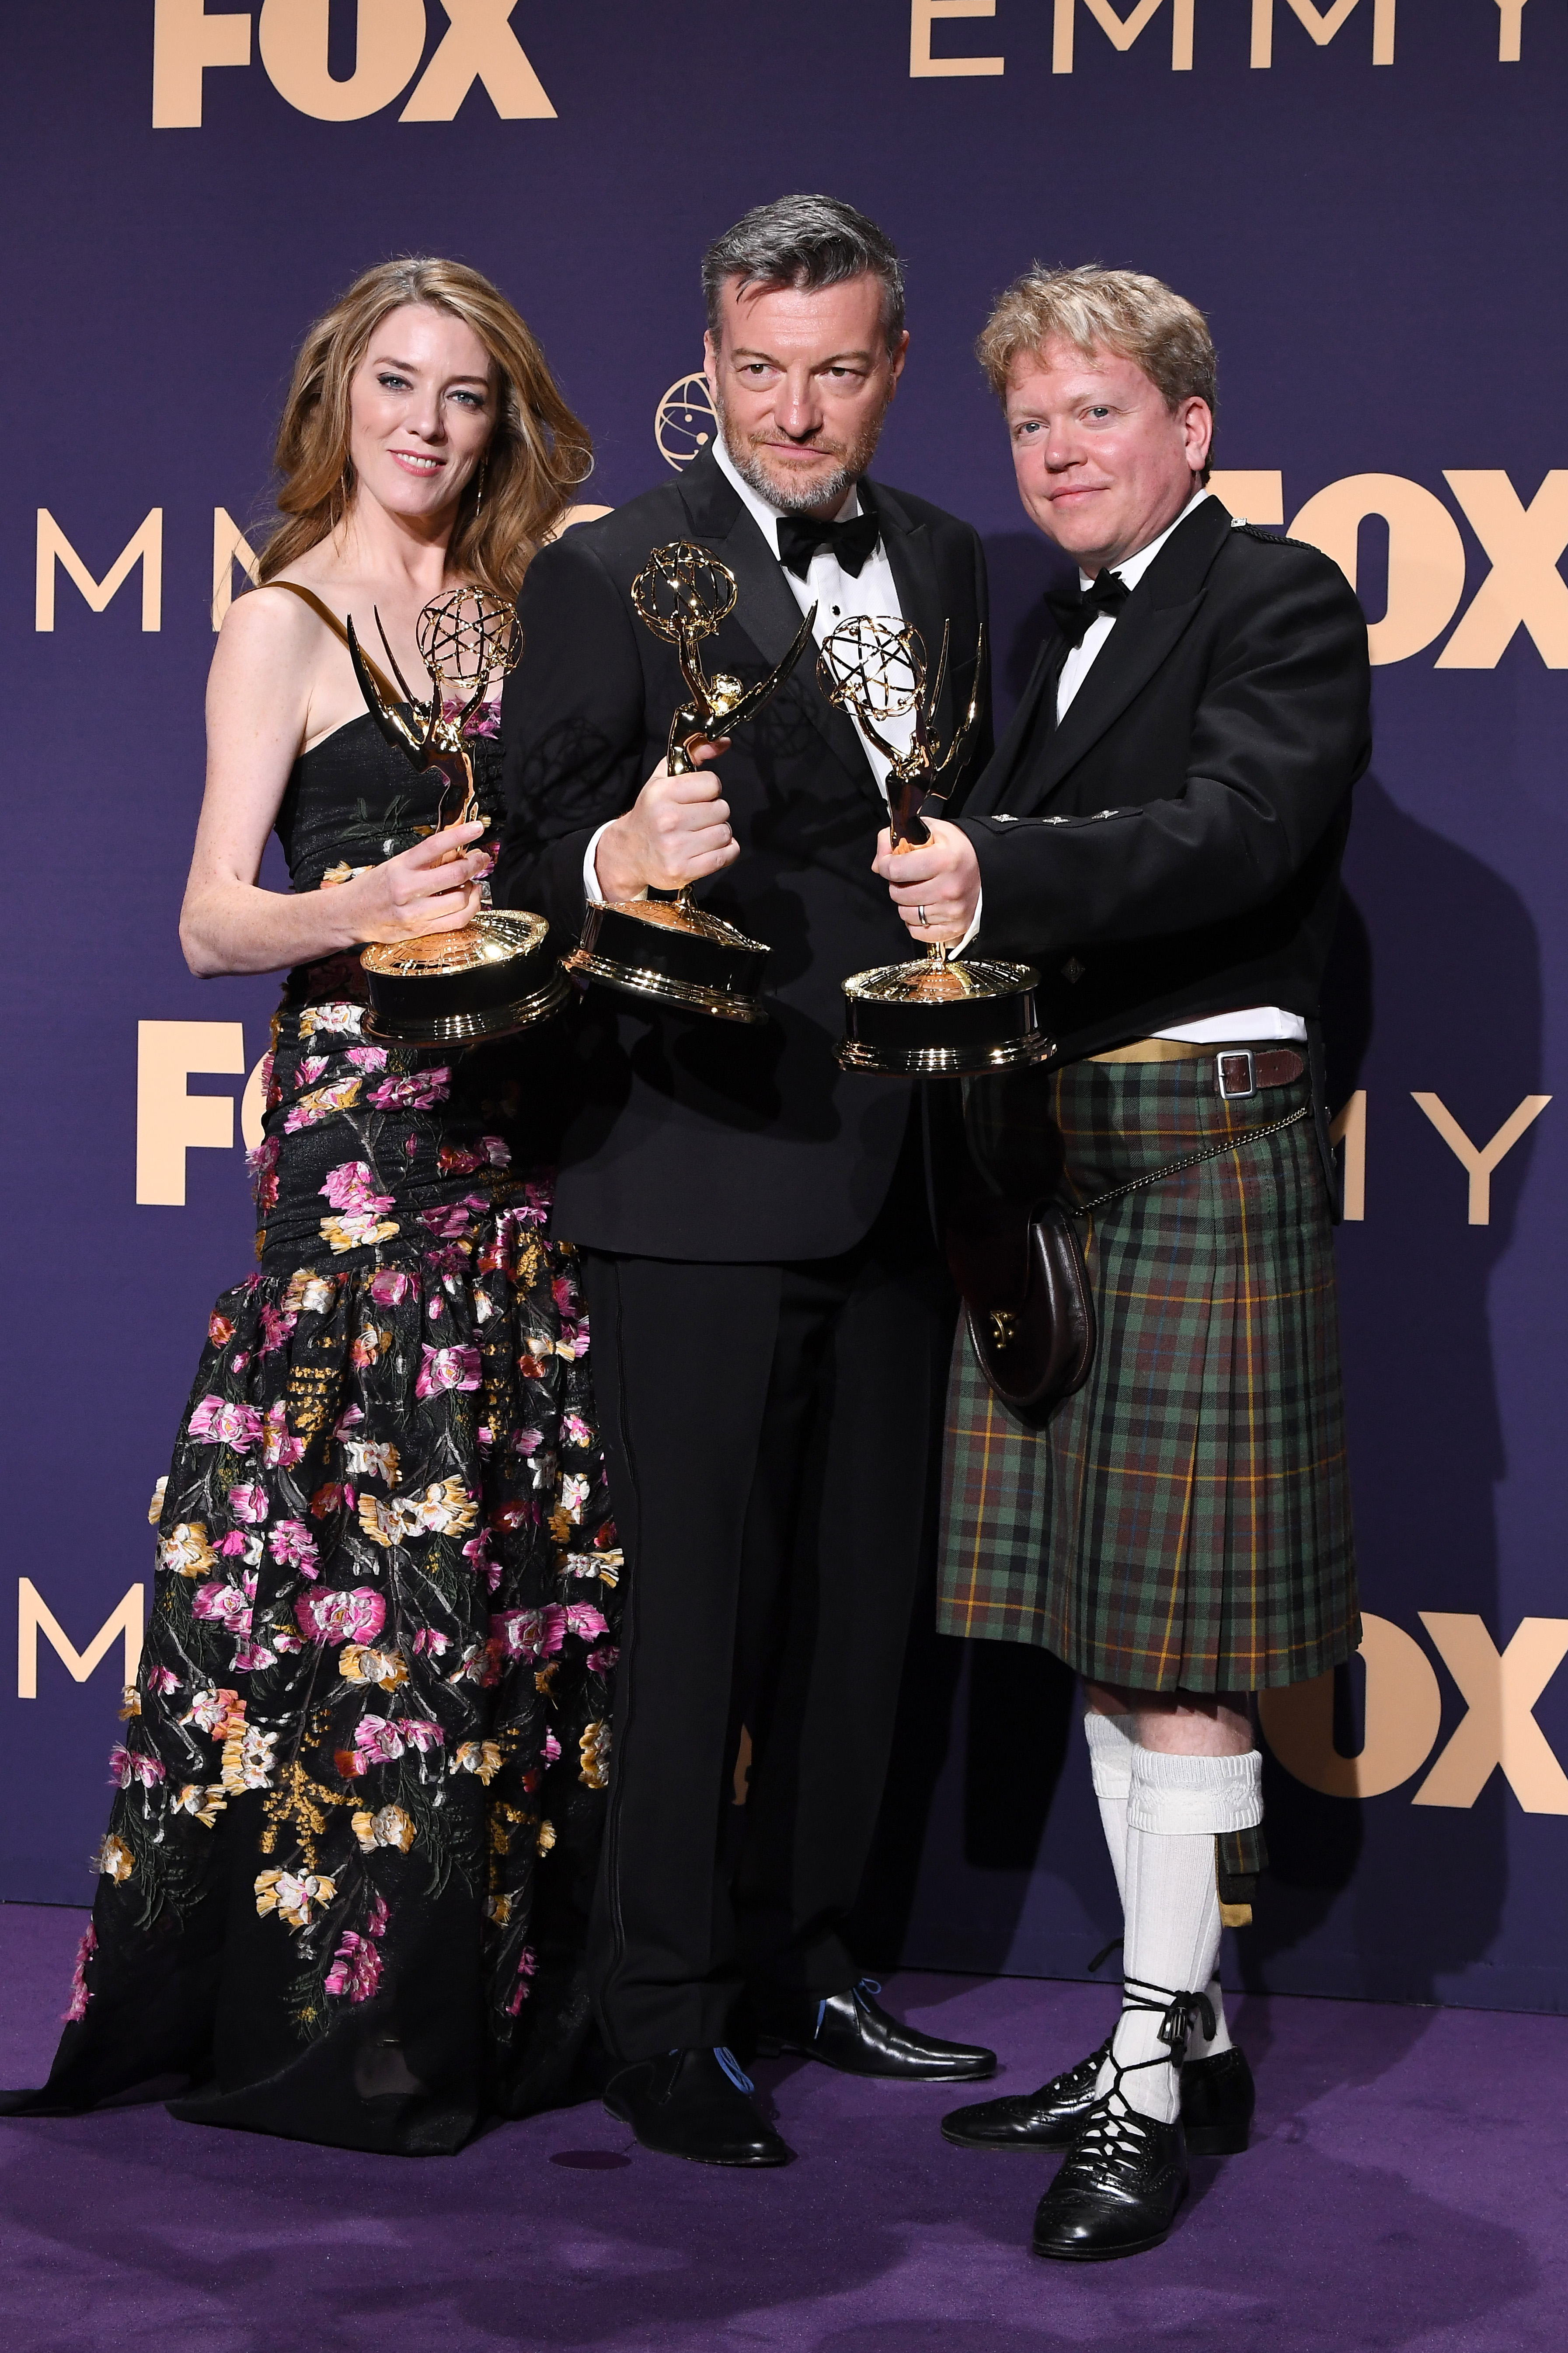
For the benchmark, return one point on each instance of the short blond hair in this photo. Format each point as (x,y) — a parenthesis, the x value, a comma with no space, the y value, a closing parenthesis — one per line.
(1092,309)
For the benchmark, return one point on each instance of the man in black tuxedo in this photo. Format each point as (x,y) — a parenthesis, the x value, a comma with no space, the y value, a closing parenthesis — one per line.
(1160,832)
(767,1303)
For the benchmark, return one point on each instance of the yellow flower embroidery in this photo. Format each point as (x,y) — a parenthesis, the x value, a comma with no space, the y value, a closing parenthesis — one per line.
(188,1551)
(358,1663)
(291,1895)
(594,1750)
(113,1859)
(390,1827)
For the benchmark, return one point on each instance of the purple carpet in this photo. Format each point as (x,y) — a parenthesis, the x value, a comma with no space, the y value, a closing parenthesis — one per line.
(1406,2189)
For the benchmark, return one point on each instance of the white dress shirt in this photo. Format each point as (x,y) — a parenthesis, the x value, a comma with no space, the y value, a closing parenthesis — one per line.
(1215,1028)
(838,595)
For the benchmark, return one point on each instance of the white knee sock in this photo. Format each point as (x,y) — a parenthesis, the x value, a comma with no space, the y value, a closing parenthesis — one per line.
(1113,1744)
(1113,1740)
(1176,1808)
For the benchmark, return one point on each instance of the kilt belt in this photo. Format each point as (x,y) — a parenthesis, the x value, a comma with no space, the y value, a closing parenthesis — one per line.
(1182,1521)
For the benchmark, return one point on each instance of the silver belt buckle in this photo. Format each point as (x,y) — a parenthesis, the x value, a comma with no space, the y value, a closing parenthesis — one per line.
(1237,1075)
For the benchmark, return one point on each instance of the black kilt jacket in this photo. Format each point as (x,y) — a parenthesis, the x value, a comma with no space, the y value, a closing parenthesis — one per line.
(1173,849)
(691,1138)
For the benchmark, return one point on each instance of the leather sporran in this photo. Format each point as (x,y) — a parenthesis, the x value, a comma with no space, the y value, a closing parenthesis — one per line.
(1013,1251)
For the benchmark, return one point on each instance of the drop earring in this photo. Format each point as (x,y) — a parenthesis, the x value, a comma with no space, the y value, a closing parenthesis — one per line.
(484,469)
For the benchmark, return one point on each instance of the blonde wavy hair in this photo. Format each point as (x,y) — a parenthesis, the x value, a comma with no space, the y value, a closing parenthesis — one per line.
(538,453)
(1122,310)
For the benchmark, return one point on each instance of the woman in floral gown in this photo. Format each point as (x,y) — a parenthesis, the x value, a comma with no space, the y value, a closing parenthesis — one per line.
(343,1890)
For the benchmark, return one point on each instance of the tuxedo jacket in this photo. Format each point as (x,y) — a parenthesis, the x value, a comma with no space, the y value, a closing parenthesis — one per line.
(1172,847)
(689,1137)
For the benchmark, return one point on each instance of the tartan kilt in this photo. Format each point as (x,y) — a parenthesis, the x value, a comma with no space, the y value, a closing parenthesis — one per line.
(1185,1520)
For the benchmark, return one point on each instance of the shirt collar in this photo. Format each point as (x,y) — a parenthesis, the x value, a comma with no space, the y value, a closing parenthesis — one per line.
(762,511)
(1132,569)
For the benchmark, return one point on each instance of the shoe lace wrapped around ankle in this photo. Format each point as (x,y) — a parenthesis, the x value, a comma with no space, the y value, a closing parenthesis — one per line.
(1116,2136)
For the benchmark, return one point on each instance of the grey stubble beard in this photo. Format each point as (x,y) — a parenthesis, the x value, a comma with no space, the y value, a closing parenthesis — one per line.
(799,498)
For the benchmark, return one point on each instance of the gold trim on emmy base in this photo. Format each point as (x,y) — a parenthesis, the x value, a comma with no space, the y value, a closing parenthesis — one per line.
(473,1028)
(637,981)
(877,668)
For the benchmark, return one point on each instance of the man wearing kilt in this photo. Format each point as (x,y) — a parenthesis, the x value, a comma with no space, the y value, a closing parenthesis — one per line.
(1160,832)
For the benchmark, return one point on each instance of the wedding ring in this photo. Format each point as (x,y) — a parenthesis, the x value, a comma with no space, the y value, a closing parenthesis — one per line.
(921,914)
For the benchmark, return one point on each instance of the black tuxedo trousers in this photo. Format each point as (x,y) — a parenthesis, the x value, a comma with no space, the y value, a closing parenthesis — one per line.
(768,1428)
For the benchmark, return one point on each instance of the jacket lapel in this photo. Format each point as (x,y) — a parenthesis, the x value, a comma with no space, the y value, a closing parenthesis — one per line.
(990,789)
(1150,622)
(912,563)
(765,610)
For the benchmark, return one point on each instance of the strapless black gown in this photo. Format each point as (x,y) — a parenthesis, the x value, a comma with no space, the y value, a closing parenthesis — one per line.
(343,1888)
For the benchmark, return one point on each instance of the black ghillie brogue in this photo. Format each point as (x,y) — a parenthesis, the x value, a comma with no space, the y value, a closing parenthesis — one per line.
(851,2031)
(1052,2117)
(1118,2189)
(1217,2099)
(697,2105)
(1125,2176)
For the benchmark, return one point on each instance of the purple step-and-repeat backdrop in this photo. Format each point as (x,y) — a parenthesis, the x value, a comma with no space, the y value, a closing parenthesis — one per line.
(1368,200)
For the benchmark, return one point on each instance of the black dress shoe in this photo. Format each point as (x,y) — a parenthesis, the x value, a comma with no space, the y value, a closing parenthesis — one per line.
(852,2032)
(1217,2099)
(694,2103)
(1118,2191)
(1048,2118)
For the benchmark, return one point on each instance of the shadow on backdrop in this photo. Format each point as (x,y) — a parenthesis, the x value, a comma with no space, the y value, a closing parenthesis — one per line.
(988,1855)
(1435,986)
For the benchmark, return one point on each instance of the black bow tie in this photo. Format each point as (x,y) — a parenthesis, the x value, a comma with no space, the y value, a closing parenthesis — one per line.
(851,542)
(1077,611)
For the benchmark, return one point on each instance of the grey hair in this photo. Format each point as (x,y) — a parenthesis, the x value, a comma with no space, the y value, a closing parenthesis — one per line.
(809,242)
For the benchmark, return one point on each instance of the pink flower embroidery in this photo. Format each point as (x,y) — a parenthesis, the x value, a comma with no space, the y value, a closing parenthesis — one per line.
(356,1968)
(531,1633)
(249,1503)
(276,1327)
(357,1615)
(281,1450)
(263,1165)
(125,1767)
(446,1368)
(388,1286)
(79,1995)
(221,1604)
(583,1618)
(602,1660)
(291,1541)
(367,1058)
(420,1090)
(223,1424)
(450,1220)
(527,1965)
(160,1679)
(352,1186)
(552,1748)
(378,1740)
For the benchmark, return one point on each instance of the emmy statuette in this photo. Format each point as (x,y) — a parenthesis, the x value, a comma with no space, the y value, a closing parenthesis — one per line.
(936,1016)
(667,949)
(494,975)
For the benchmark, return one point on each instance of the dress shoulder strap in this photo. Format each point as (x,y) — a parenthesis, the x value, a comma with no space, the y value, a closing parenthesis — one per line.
(378,678)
